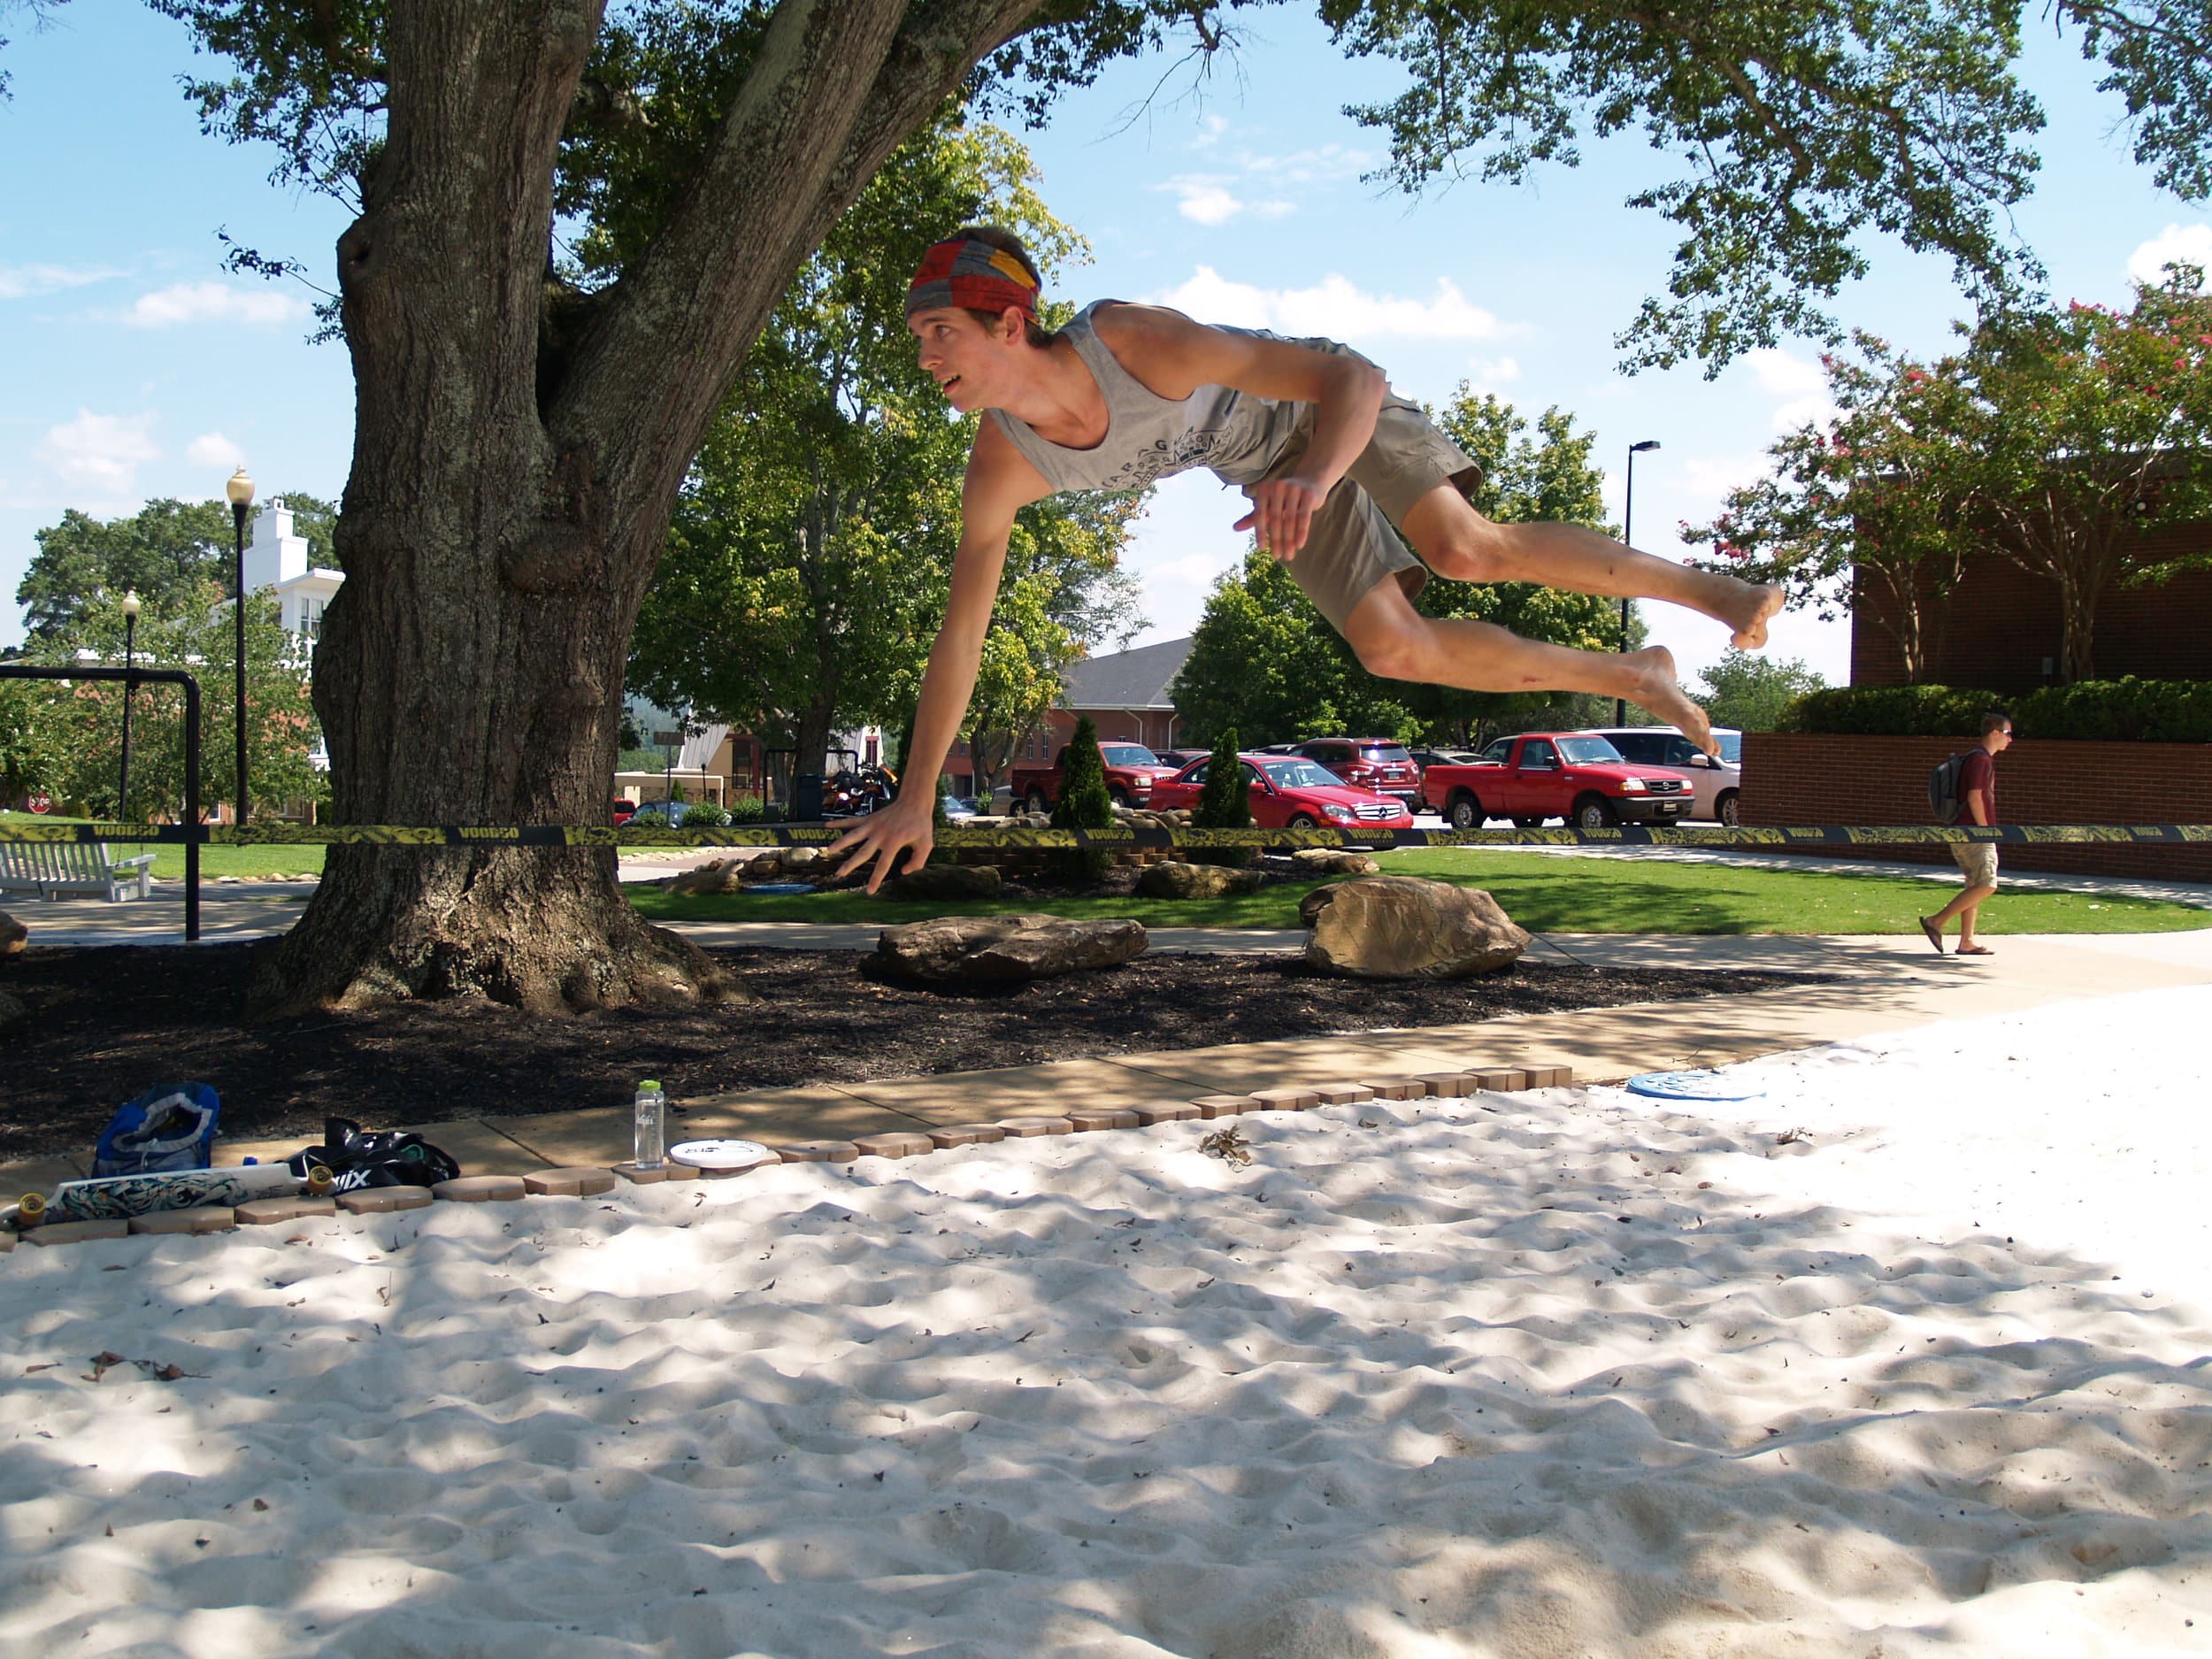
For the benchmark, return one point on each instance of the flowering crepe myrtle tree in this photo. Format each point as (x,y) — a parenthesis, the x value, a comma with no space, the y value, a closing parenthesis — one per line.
(1862,513)
(2054,436)
(575,218)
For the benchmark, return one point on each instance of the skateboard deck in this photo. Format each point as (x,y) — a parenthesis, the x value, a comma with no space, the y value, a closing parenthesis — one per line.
(120,1197)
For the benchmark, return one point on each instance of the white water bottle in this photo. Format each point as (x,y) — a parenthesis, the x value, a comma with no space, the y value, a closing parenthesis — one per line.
(650,1116)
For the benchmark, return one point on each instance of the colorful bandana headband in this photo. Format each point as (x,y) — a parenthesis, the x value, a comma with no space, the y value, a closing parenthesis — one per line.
(973,275)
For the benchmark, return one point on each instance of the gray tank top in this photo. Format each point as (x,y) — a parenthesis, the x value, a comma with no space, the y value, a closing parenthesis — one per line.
(1236,435)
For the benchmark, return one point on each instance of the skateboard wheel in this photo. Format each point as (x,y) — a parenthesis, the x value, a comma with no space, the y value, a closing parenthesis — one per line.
(31,1209)
(320,1181)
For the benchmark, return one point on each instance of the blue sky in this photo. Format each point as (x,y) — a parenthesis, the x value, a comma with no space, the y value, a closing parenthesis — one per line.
(131,367)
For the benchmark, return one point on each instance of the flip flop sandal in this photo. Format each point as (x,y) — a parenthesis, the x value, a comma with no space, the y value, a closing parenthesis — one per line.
(1974,950)
(1935,937)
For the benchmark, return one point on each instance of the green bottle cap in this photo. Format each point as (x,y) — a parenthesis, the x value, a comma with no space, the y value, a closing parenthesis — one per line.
(650,1084)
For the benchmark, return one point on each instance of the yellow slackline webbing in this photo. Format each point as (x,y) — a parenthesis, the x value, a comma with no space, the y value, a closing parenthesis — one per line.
(1133,837)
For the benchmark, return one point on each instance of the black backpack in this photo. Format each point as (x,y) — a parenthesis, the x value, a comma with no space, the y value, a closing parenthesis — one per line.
(1943,790)
(373,1157)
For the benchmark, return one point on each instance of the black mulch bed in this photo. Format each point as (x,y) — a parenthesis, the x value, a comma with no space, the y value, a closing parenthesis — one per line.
(109,1022)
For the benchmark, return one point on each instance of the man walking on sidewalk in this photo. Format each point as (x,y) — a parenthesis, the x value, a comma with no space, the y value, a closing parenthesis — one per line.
(1977,860)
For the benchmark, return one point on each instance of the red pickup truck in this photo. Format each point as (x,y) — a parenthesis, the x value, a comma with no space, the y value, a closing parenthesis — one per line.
(1130,771)
(1541,775)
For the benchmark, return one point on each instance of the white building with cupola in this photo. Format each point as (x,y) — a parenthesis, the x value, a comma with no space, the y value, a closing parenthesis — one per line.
(277,557)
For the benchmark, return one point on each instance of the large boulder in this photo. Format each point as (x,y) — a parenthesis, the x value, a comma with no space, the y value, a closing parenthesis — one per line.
(1175,879)
(13,935)
(1332,861)
(1003,949)
(1400,928)
(939,882)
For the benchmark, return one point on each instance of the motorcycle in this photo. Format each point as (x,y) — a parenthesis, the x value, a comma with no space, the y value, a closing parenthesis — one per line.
(857,791)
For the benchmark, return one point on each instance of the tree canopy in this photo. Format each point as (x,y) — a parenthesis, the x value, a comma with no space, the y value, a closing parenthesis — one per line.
(164,552)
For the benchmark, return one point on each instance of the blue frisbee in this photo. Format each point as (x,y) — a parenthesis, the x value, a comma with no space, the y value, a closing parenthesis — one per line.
(1692,1085)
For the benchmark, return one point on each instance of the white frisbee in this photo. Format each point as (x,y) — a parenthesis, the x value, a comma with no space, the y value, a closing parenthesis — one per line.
(721,1155)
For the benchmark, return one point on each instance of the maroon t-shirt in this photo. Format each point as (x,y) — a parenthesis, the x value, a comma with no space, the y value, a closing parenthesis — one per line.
(1978,771)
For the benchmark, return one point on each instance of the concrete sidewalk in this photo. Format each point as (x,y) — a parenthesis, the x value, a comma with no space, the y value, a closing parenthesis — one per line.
(1881,985)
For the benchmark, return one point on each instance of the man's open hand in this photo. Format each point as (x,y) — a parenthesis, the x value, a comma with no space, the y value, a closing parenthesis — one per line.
(1282,514)
(902,826)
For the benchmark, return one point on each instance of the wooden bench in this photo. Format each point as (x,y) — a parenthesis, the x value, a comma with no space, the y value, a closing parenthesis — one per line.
(60,870)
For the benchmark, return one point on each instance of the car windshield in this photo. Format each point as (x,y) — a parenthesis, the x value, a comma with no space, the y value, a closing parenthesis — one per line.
(1384,753)
(1128,755)
(1588,752)
(1731,747)
(1301,774)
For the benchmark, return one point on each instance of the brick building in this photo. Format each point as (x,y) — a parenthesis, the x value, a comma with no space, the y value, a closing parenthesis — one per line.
(2003,627)
(1126,695)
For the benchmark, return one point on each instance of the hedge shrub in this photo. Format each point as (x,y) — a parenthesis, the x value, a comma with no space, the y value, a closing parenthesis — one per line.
(2128,710)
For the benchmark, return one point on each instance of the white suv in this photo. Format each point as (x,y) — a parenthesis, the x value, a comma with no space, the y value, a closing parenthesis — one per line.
(1715,784)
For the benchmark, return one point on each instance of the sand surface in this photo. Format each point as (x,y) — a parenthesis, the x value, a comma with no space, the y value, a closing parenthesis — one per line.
(1905,1358)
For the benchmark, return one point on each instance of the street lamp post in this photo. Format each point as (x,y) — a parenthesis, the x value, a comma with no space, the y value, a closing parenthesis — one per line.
(1628,534)
(240,489)
(130,696)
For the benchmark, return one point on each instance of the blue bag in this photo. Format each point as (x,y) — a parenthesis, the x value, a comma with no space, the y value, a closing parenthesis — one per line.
(172,1127)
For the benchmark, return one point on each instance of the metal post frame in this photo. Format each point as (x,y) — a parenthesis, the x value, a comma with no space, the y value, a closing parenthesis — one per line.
(195,831)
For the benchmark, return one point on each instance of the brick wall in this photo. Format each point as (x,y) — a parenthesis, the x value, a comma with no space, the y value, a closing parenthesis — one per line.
(2004,622)
(1790,778)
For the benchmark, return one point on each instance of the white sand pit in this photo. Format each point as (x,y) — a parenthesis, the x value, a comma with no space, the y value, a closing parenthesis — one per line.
(1548,1376)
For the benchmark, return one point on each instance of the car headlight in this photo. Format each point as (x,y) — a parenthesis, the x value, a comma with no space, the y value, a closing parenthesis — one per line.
(1342,814)
(1632,786)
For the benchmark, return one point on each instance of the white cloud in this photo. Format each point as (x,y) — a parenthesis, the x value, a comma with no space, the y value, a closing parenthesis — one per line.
(212,448)
(1325,165)
(1192,570)
(1334,308)
(1206,202)
(2191,244)
(1713,476)
(22,281)
(1489,374)
(1802,386)
(213,301)
(100,453)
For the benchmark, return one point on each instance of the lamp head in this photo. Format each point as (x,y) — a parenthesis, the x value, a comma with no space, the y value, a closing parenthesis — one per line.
(130,604)
(240,489)
(1648,443)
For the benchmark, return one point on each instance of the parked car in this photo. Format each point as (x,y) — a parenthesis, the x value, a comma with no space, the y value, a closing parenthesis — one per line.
(1291,792)
(1380,763)
(1540,775)
(959,806)
(1425,759)
(1130,771)
(625,809)
(1180,758)
(668,812)
(1715,784)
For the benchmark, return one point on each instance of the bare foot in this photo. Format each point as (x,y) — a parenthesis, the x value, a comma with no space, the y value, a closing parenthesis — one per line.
(1751,622)
(1658,691)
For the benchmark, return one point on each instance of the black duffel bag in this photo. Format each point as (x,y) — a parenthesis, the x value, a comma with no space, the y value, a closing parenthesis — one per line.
(359,1157)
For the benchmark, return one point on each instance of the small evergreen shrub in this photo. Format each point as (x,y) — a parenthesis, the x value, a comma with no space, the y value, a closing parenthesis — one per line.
(1891,711)
(706,815)
(747,808)
(1225,803)
(1085,801)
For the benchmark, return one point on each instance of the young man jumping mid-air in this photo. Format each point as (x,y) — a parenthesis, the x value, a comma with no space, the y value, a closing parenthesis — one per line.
(1330,457)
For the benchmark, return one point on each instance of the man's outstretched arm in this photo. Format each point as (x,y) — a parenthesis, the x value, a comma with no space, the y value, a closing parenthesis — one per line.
(1000,483)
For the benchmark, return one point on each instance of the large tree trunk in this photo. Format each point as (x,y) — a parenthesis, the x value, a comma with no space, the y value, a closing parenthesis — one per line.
(510,496)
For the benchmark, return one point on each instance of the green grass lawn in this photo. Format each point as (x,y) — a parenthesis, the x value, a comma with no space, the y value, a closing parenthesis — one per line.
(257,863)
(1571,896)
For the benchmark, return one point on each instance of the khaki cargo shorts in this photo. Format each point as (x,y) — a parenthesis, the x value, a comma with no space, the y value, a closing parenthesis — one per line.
(1352,545)
(1977,861)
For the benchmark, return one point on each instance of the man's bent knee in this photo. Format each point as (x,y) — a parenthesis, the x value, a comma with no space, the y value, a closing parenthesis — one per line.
(1392,653)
